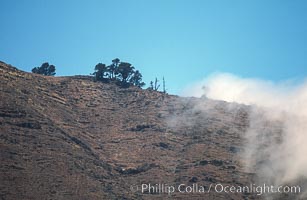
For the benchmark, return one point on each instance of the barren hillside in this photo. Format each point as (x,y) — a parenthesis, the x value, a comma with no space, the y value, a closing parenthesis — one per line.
(73,138)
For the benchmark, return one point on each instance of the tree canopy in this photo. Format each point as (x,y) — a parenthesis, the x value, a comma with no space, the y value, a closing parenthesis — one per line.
(101,72)
(123,73)
(45,69)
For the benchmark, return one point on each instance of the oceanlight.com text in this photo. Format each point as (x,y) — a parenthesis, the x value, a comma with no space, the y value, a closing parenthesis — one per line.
(161,188)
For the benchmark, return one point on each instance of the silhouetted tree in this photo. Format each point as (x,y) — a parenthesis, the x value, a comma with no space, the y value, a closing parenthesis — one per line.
(136,79)
(125,71)
(120,72)
(113,68)
(45,69)
(101,72)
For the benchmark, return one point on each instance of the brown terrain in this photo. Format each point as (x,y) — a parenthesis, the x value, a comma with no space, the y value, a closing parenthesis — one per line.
(73,138)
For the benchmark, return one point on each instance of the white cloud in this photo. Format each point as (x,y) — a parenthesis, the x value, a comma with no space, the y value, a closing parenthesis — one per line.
(282,150)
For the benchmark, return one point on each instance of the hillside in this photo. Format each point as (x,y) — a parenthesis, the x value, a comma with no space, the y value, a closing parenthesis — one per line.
(72,138)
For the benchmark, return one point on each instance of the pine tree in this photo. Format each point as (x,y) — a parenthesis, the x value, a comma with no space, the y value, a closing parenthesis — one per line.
(136,79)
(101,72)
(45,69)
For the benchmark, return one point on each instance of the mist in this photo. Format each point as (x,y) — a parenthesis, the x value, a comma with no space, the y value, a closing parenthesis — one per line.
(276,139)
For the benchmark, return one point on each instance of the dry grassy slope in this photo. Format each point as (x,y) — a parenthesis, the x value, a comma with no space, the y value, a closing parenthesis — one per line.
(72,138)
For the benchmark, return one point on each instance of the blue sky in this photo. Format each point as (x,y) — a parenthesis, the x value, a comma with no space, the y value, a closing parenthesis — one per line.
(182,40)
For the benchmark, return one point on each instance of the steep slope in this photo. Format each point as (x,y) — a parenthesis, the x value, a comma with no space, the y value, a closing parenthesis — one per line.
(72,138)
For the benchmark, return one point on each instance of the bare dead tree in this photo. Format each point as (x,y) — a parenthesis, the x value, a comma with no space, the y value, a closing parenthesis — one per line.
(164,87)
(156,87)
